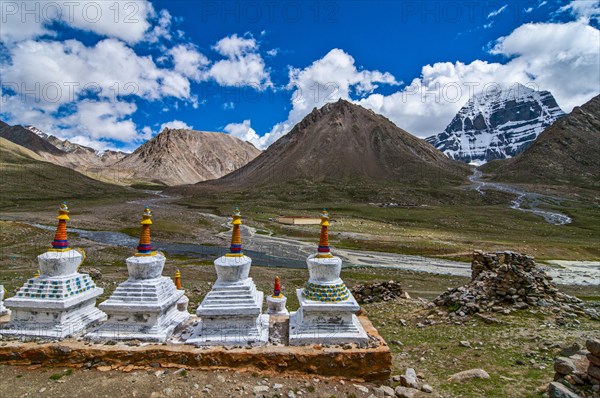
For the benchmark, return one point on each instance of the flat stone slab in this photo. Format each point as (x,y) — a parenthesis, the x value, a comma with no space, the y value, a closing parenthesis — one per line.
(365,364)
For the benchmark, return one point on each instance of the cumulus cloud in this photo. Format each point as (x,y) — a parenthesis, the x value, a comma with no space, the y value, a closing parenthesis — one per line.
(586,9)
(332,77)
(188,61)
(244,132)
(175,124)
(128,21)
(243,64)
(110,69)
(235,46)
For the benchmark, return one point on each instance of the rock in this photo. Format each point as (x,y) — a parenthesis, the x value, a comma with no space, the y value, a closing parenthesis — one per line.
(291,394)
(465,343)
(427,388)
(593,346)
(260,389)
(384,391)
(593,359)
(409,379)
(405,392)
(361,388)
(277,386)
(570,350)
(558,390)
(564,366)
(467,375)
(594,371)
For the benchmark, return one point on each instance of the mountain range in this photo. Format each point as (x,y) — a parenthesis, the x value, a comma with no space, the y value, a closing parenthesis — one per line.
(497,124)
(344,141)
(173,157)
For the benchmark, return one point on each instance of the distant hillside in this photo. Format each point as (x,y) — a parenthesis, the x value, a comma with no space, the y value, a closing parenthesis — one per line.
(76,156)
(28,139)
(344,141)
(566,153)
(497,125)
(26,177)
(176,157)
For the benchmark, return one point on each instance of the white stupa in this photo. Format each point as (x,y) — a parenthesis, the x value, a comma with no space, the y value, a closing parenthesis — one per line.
(145,306)
(3,309)
(231,313)
(327,308)
(60,302)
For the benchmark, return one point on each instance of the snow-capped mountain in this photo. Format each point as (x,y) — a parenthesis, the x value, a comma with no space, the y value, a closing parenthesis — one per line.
(497,124)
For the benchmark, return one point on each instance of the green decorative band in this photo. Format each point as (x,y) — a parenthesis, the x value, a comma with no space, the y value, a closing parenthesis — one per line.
(330,293)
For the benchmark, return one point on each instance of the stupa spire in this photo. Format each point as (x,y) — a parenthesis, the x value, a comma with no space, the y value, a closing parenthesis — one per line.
(144,246)
(235,250)
(323,250)
(60,242)
(277,288)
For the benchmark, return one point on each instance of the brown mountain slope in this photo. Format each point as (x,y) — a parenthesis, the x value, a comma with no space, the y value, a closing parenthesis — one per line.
(343,141)
(27,178)
(566,153)
(176,157)
(28,139)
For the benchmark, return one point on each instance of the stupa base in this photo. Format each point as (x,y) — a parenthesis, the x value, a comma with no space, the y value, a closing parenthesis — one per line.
(230,331)
(47,319)
(318,322)
(157,333)
(145,310)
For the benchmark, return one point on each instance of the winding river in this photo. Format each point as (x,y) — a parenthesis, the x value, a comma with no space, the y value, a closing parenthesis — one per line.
(526,201)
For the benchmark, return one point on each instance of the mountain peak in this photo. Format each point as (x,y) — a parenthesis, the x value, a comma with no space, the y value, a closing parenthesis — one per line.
(342,140)
(497,123)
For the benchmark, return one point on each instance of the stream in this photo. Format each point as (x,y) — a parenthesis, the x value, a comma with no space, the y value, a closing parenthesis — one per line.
(272,251)
(526,201)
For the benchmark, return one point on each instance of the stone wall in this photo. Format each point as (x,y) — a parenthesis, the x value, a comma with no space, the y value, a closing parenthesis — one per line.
(577,375)
(507,281)
(376,292)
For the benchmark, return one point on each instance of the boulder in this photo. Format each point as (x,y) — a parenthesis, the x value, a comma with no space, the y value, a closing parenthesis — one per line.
(558,390)
(467,375)
(593,346)
(564,366)
(405,392)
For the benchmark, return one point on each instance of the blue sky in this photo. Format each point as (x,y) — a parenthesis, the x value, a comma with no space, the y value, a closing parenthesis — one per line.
(112,74)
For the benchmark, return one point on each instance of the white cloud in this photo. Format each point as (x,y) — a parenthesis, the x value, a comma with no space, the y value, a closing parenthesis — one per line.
(244,132)
(325,80)
(497,12)
(127,21)
(586,9)
(102,119)
(162,28)
(562,58)
(228,105)
(175,124)
(71,69)
(273,52)
(188,61)
(243,66)
(235,46)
